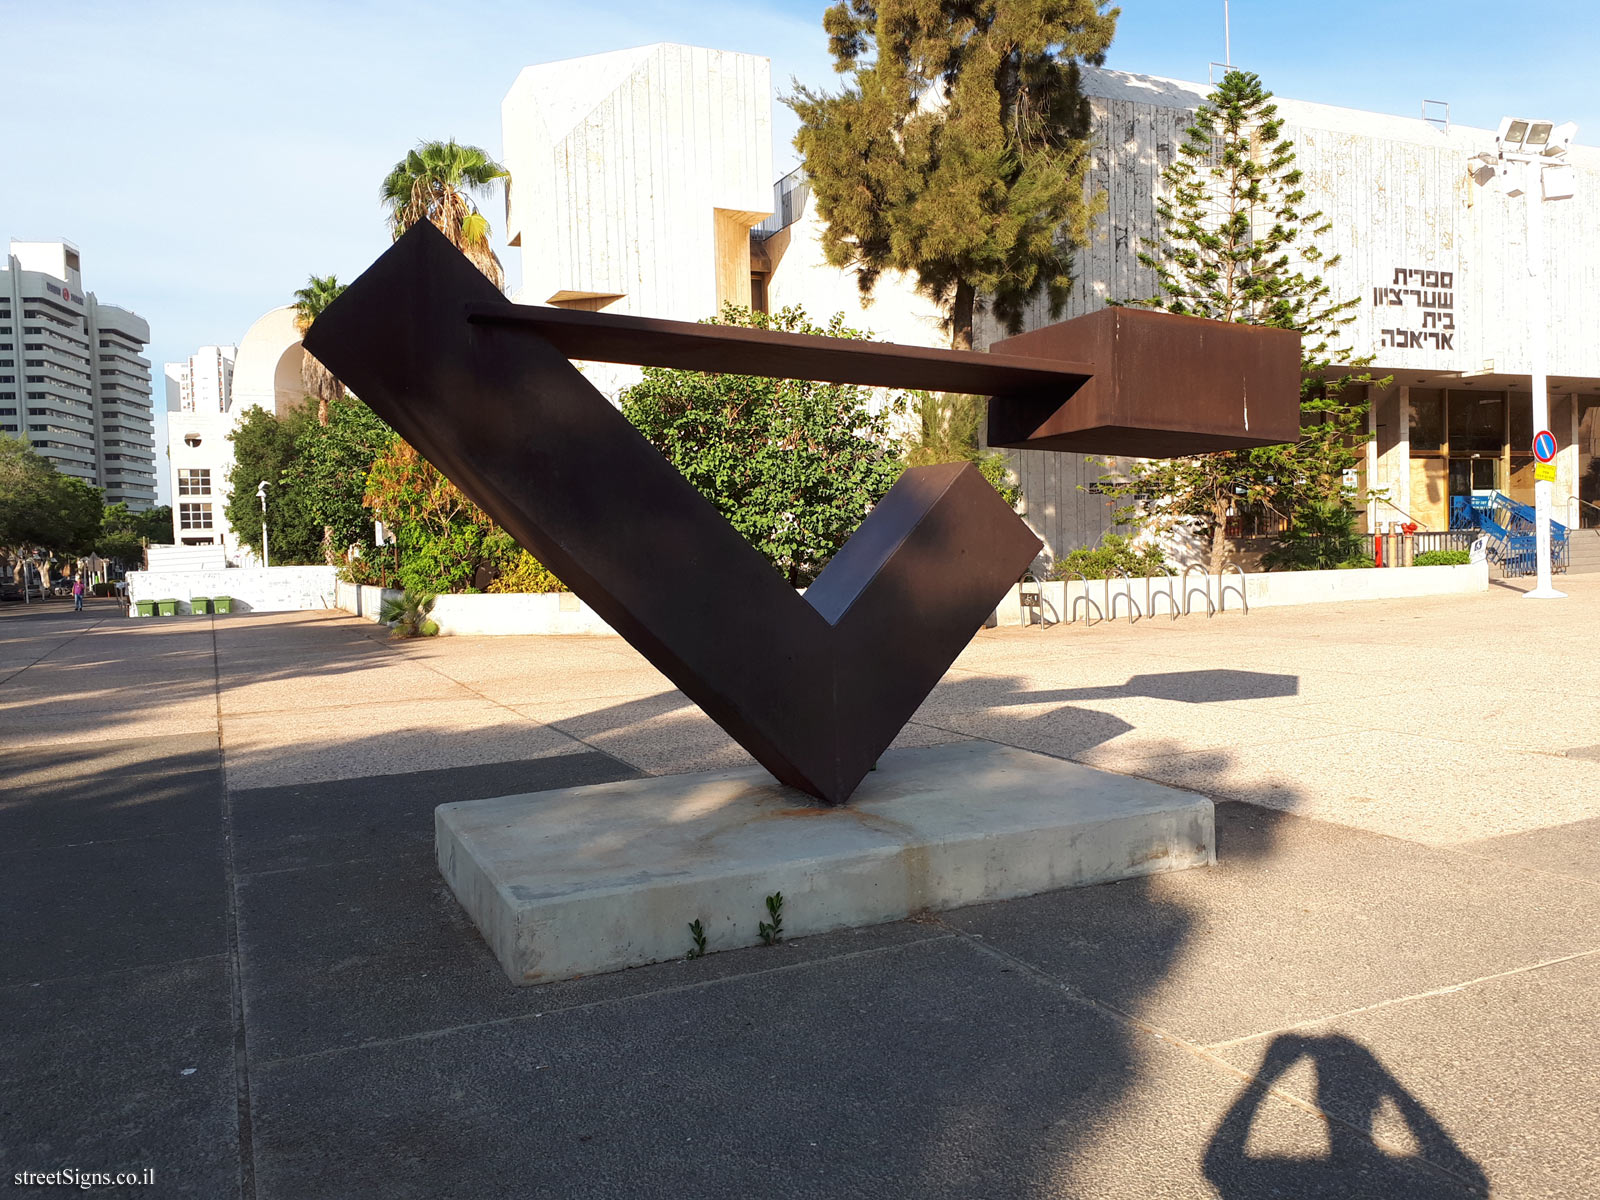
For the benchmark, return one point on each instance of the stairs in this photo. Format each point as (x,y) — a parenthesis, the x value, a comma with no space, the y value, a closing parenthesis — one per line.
(1583,551)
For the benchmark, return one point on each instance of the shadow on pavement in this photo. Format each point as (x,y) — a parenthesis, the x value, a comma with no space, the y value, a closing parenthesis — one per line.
(381,1051)
(1351,1087)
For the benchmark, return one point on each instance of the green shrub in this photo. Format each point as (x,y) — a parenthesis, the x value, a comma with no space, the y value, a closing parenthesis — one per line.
(1442,558)
(1355,564)
(103,589)
(1321,537)
(525,573)
(1111,555)
(407,615)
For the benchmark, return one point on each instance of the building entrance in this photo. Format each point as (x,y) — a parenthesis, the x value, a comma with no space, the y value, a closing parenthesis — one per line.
(1468,475)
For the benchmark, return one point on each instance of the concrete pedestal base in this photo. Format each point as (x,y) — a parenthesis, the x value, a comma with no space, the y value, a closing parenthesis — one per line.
(590,879)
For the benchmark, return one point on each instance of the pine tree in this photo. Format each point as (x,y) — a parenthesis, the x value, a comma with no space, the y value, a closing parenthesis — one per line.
(1237,244)
(957,149)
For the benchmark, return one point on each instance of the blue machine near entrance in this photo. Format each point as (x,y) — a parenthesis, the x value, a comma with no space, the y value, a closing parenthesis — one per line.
(1509,526)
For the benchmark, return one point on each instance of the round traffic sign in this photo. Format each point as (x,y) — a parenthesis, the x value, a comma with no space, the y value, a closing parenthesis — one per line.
(1544,446)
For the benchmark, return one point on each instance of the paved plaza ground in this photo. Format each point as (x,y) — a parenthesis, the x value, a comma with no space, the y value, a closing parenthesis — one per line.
(227,953)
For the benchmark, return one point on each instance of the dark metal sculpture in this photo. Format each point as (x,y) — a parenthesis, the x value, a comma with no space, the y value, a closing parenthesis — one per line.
(814,687)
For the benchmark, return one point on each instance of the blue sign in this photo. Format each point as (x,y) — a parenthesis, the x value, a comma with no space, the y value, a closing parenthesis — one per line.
(1544,446)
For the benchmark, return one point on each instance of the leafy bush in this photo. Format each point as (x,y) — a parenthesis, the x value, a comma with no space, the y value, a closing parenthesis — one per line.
(525,573)
(1114,553)
(1355,564)
(407,615)
(793,465)
(1442,558)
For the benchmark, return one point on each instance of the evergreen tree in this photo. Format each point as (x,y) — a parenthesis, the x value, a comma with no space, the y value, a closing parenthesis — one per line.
(1237,244)
(957,149)
(263,448)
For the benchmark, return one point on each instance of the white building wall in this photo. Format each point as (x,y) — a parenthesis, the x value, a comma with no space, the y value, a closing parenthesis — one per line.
(1406,219)
(635,175)
(207,397)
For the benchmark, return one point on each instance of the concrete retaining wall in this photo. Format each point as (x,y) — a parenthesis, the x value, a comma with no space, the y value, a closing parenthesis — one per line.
(252,589)
(489,614)
(1068,600)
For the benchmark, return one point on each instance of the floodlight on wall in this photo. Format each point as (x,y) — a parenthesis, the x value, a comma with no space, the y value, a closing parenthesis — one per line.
(1525,139)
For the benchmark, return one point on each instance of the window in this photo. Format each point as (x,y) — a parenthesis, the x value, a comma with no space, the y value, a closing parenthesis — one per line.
(1427,419)
(191,440)
(1477,424)
(194,516)
(194,481)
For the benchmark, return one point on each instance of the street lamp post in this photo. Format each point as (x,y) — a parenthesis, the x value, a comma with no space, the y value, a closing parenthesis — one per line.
(261,495)
(1530,158)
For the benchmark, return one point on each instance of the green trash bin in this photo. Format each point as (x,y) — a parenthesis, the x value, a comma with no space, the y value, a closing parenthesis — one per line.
(222,604)
(199,605)
(145,608)
(167,608)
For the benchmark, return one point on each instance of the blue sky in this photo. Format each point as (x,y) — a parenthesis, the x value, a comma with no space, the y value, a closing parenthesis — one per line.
(207,157)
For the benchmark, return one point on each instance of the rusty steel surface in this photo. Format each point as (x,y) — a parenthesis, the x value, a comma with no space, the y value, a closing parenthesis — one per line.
(734,350)
(1164,385)
(814,687)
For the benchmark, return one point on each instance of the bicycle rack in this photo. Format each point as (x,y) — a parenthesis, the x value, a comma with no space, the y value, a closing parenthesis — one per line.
(1211,609)
(1167,575)
(1085,597)
(1030,600)
(1111,601)
(1222,592)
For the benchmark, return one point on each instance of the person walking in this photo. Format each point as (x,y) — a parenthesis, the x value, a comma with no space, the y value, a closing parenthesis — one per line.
(77,594)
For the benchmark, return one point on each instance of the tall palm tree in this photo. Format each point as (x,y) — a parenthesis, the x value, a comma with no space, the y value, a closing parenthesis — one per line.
(432,183)
(309,303)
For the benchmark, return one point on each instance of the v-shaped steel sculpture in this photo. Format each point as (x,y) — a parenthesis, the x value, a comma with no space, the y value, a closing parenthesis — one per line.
(815,687)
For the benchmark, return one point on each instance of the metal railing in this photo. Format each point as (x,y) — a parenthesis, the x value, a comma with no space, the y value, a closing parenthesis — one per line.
(1223,590)
(1167,576)
(1088,600)
(1211,609)
(1127,590)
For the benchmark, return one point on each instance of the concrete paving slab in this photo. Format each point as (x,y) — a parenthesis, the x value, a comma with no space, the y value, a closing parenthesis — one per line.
(59,724)
(97,791)
(1572,849)
(598,878)
(663,734)
(97,906)
(248,690)
(930,1071)
(1511,1066)
(123,1071)
(1113,733)
(335,821)
(403,959)
(1298,920)
(1414,787)
(276,749)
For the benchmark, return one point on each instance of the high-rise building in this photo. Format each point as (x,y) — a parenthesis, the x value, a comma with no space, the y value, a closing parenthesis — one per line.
(204,383)
(73,382)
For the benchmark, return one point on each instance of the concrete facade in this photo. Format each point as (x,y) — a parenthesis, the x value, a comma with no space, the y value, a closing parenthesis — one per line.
(636,177)
(252,589)
(73,380)
(617,161)
(207,396)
